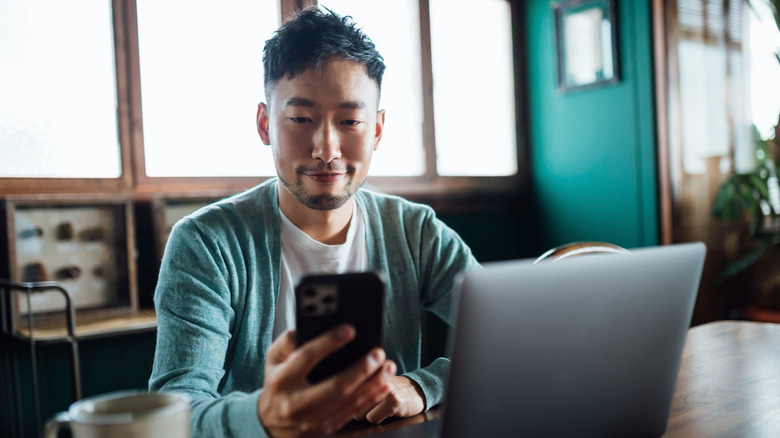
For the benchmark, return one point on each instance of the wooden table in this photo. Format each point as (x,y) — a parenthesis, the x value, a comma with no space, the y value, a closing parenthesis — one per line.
(728,385)
(729,382)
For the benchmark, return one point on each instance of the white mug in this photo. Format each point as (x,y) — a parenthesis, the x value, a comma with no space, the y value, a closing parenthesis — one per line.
(125,414)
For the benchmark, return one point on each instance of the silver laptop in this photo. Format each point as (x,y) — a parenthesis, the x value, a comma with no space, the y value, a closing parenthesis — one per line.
(585,347)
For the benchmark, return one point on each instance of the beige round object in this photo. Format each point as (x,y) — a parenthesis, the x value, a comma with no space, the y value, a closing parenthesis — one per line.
(579,249)
(125,414)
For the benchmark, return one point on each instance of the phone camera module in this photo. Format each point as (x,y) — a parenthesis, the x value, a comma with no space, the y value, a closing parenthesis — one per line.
(319,300)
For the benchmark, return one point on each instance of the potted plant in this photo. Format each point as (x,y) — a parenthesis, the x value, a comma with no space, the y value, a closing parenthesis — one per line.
(752,201)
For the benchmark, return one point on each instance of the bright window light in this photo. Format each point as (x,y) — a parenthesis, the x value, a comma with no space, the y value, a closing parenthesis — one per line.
(201,81)
(473,88)
(58,105)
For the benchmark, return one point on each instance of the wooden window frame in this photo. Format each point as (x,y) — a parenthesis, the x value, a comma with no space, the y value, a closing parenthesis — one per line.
(134,180)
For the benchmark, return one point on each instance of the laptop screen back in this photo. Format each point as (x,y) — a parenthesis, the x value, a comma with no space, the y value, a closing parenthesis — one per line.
(586,346)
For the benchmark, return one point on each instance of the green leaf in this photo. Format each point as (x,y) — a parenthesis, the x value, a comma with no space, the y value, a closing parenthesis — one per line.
(760,185)
(746,196)
(775,5)
(725,206)
(744,261)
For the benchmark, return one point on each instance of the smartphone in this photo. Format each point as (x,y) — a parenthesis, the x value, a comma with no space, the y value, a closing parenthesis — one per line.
(324,301)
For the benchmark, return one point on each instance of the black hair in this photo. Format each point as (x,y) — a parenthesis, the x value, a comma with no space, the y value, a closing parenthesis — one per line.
(313,37)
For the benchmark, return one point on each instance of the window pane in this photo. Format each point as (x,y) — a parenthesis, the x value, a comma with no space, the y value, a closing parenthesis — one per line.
(704,109)
(201,81)
(473,87)
(57,82)
(401,151)
(764,68)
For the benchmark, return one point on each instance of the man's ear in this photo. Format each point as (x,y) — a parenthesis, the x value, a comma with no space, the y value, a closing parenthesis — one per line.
(380,126)
(262,123)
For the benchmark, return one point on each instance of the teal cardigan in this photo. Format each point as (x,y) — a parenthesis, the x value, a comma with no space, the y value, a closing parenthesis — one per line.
(217,291)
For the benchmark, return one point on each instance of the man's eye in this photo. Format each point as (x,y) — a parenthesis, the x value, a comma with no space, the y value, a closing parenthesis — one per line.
(299,119)
(352,122)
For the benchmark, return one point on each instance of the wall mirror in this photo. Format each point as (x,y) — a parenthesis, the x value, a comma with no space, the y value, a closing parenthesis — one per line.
(586,44)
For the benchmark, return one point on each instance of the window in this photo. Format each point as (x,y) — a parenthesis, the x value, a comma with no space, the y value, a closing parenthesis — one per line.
(58,106)
(711,54)
(185,77)
(764,38)
(473,88)
(201,79)
(723,102)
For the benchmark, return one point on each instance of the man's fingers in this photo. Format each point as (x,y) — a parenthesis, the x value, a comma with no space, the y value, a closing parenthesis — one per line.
(350,379)
(405,399)
(367,396)
(290,365)
(363,375)
(281,348)
(361,415)
(328,406)
(384,410)
(308,355)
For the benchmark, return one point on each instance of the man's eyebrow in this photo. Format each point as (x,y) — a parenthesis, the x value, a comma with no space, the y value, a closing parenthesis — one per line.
(302,101)
(298,101)
(353,104)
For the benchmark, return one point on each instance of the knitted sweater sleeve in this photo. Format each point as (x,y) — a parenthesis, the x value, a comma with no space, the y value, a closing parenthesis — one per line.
(196,316)
(443,256)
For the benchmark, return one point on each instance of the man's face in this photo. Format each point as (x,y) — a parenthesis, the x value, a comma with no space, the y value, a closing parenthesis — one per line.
(323,127)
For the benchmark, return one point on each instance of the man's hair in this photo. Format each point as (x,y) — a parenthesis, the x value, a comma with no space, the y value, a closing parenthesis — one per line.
(312,38)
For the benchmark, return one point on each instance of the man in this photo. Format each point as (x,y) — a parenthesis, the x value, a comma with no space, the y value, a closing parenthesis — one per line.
(224,298)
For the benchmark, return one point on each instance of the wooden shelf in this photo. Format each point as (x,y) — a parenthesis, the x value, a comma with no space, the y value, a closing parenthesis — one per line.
(142,321)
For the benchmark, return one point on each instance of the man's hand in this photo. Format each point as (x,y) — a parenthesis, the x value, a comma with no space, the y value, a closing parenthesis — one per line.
(404,400)
(290,406)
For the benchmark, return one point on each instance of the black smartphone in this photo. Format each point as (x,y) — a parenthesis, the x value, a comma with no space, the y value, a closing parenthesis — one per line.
(324,301)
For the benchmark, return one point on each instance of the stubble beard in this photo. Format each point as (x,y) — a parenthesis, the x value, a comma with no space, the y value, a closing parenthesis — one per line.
(320,202)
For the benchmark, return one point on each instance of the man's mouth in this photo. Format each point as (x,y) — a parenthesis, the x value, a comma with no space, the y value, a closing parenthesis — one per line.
(325,177)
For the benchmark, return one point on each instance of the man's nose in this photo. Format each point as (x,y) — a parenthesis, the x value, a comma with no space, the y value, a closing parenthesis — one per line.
(326,143)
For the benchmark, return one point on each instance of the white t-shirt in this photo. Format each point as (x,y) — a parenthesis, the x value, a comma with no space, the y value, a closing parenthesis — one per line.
(303,255)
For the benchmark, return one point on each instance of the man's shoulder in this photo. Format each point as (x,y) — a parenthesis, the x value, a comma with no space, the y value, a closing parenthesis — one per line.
(385,203)
(394,214)
(246,207)
(254,199)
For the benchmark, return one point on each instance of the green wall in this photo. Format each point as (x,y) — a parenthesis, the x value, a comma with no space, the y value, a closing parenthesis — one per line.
(593,151)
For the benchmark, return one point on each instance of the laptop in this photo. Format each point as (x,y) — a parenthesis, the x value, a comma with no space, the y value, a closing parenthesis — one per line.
(586,347)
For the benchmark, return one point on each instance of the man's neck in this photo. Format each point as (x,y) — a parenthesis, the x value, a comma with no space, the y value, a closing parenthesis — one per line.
(325,226)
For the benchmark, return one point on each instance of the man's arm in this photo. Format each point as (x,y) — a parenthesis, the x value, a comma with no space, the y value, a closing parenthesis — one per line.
(196,320)
(444,255)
